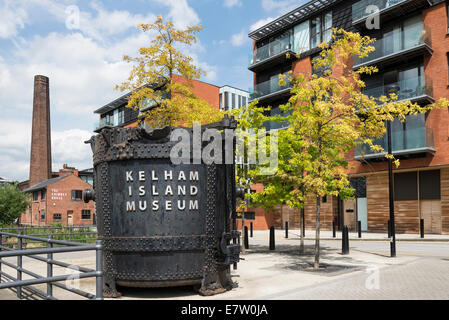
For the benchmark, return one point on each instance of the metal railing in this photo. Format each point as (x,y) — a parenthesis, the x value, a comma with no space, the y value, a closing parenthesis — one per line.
(269,87)
(24,287)
(408,89)
(360,9)
(396,43)
(271,49)
(69,233)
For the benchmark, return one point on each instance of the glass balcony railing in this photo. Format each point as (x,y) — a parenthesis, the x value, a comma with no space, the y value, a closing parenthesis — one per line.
(408,89)
(269,87)
(271,49)
(361,10)
(416,140)
(104,123)
(397,42)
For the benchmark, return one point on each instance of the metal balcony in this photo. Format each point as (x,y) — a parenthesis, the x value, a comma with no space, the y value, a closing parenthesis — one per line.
(388,9)
(273,53)
(417,90)
(270,90)
(397,48)
(405,143)
(103,123)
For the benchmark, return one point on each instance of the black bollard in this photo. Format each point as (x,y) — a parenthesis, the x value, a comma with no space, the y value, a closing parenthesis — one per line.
(421,227)
(272,245)
(286,229)
(246,240)
(251,229)
(345,240)
(389,229)
(359,227)
(334,231)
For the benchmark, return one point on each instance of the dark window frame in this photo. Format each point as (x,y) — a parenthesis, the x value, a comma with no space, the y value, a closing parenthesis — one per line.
(57,216)
(75,194)
(43,194)
(35,196)
(42,215)
(86,213)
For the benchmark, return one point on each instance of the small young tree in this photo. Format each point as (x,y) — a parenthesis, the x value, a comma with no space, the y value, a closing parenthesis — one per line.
(13,203)
(154,82)
(329,116)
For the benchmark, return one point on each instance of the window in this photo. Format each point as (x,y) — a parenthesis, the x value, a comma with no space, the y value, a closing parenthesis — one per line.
(233,100)
(57,217)
(244,101)
(43,194)
(121,116)
(226,101)
(43,215)
(77,195)
(302,37)
(429,185)
(405,186)
(221,101)
(35,196)
(327,27)
(85,214)
(324,200)
(315,32)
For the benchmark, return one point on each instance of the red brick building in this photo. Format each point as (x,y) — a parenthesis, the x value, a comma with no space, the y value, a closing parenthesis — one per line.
(412,54)
(59,201)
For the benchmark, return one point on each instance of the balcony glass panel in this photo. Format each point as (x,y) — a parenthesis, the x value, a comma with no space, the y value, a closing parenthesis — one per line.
(105,122)
(413,35)
(360,9)
(269,87)
(272,49)
(409,136)
(406,89)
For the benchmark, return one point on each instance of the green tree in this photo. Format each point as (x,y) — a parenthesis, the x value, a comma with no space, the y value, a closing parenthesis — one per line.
(153,79)
(329,116)
(13,203)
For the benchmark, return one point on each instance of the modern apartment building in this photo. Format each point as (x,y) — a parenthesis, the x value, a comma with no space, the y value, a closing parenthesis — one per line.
(412,54)
(232,98)
(115,113)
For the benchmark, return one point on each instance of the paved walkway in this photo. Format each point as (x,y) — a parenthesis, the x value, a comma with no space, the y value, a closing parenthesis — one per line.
(420,271)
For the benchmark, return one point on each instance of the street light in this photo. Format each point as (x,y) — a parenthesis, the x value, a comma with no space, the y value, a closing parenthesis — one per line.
(389,90)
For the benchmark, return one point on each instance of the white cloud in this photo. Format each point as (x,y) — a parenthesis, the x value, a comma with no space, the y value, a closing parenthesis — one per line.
(282,6)
(260,23)
(232,3)
(12,19)
(180,13)
(239,39)
(67,147)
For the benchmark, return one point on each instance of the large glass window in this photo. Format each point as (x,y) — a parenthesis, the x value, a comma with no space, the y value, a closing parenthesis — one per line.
(221,101)
(315,32)
(302,37)
(327,27)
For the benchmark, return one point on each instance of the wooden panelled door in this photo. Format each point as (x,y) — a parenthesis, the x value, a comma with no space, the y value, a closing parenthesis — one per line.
(70,218)
(431,213)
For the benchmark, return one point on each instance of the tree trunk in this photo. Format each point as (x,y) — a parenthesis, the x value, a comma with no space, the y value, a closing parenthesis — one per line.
(317,234)
(301,224)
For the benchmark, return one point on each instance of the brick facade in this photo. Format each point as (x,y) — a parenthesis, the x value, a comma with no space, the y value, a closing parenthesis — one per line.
(58,200)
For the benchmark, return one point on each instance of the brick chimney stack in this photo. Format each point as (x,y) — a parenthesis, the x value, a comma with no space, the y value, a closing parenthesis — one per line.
(40,162)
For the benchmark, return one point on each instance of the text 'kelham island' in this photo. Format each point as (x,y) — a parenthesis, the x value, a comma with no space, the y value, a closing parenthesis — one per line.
(163,190)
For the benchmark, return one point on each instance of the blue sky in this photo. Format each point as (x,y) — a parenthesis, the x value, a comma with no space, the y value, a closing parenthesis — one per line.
(84,61)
